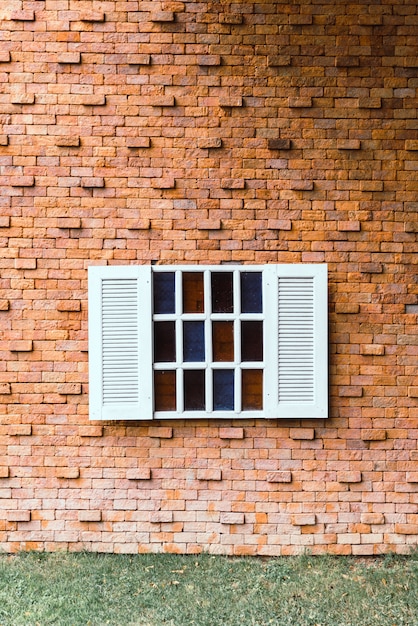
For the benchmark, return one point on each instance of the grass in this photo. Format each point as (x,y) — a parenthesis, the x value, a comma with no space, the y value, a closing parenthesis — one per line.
(158,590)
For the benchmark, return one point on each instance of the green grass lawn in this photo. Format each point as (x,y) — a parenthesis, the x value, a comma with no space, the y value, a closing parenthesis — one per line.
(156,590)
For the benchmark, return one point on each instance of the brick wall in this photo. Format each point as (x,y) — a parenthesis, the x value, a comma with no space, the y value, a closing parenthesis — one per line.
(253,132)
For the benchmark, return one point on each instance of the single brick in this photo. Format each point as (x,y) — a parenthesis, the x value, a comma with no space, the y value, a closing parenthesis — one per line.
(92,182)
(67,472)
(26,264)
(371,185)
(302,433)
(166,182)
(68,141)
(300,103)
(279,477)
(89,516)
(349,477)
(209,474)
(372,349)
(163,101)
(65,389)
(347,308)
(138,59)
(279,144)
(411,227)
(211,224)
(4,140)
(5,56)
(4,305)
(24,430)
(349,226)
(233,183)
(373,434)
(69,57)
(209,143)
(280,224)
(4,471)
(348,144)
(304,519)
(232,518)
(161,517)
(301,185)
(372,518)
(21,345)
(138,473)
(93,100)
(23,98)
(18,516)
(350,391)
(91,430)
(280,60)
(370,103)
(4,221)
(5,389)
(163,432)
(138,142)
(347,61)
(69,305)
(208,59)
(371,268)
(231,433)
(23,16)
(406,529)
(92,16)
(411,144)
(22,181)
(231,18)
(162,16)
(412,477)
(413,392)
(69,222)
(139,224)
(230,101)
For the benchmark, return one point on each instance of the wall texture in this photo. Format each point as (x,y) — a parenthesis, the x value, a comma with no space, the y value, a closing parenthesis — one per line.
(209,132)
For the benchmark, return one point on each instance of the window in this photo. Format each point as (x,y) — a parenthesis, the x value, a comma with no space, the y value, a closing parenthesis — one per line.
(208,341)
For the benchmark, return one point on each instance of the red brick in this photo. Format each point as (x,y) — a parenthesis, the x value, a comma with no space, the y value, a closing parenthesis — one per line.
(138,473)
(18,516)
(279,477)
(231,433)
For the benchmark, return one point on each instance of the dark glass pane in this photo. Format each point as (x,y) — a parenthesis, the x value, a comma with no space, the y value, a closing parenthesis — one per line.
(251,341)
(194,341)
(194,390)
(222,292)
(223,341)
(193,298)
(164,292)
(223,390)
(164,342)
(252,390)
(251,292)
(165,390)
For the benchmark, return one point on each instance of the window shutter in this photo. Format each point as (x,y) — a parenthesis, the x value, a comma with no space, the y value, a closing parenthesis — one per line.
(296,341)
(120,352)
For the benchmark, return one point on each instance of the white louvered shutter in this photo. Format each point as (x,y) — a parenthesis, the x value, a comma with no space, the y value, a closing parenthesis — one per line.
(120,353)
(297,341)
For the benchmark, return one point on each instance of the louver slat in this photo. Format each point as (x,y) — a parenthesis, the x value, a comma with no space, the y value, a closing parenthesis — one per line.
(120,350)
(296,354)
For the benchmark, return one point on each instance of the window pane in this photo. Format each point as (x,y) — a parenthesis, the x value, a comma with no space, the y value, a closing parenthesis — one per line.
(164,342)
(223,390)
(193,294)
(194,390)
(165,390)
(223,341)
(251,292)
(252,390)
(164,290)
(251,341)
(222,292)
(193,341)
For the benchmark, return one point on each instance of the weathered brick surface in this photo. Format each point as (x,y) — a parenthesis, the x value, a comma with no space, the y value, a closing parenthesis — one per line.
(183,132)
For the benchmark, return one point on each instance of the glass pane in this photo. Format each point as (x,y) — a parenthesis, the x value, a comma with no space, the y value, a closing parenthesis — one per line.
(165,390)
(193,298)
(223,341)
(164,342)
(251,292)
(164,292)
(223,390)
(194,390)
(193,341)
(252,390)
(251,341)
(222,292)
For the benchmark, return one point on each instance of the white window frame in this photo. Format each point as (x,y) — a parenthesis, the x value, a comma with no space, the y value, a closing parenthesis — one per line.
(295,342)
